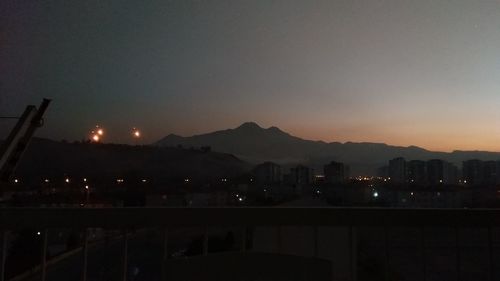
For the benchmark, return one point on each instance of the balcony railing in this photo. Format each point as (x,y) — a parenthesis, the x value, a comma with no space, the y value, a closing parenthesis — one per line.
(169,219)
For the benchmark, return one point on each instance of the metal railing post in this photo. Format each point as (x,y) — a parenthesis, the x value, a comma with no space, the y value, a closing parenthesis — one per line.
(352,254)
(490,254)
(424,254)
(386,253)
(85,250)
(205,241)
(3,254)
(316,244)
(279,242)
(43,262)
(125,255)
(457,248)
(244,239)
(165,255)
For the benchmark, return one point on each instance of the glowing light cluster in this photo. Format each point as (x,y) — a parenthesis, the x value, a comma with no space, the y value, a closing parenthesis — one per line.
(136,133)
(96,134)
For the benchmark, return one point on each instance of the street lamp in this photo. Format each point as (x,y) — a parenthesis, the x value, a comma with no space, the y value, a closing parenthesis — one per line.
(136,134)
(99,131)
(95,137)
(96,134)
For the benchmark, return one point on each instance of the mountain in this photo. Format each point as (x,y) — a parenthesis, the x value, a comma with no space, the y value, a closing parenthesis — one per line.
(255,144)
(52,159)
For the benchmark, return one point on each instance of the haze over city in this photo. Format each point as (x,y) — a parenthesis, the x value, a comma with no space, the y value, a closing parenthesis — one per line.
(422,73)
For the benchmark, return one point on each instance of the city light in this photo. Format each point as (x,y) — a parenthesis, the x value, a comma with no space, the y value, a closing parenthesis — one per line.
(66,180)
(87,187)
(375,194)
(136,133)
(96,135)
(99,131)
(16,180)
(47,180)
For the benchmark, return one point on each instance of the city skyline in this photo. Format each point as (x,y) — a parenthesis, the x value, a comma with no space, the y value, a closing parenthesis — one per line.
(404,73)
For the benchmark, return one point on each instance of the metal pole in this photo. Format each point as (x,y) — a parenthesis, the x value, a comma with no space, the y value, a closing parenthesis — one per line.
(165,255)
(424,254)
(352,250)
(490,253)
(279,244)
(316,244)
(125,255)
(386,253)
(85,251)
(43,262)
(244,239)
(457,248)
(3,255)
(205,241)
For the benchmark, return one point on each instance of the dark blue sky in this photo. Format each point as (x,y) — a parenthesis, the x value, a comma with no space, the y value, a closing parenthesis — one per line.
(403,72)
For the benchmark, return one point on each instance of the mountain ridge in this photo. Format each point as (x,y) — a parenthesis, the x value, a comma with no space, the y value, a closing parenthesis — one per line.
(255,144)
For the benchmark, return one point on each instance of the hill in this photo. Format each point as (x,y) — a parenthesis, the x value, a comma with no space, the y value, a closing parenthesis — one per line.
(51,159)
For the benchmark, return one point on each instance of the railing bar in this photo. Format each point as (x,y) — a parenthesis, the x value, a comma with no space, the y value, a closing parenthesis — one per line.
(244,239)
(43,263)
(457,248)
(279,242)
(316,244)
(85,252)
(165,254)
(352,261)
(205,241)
(125,255)
(386,253)
(424,254)
(3,255)
(490,254)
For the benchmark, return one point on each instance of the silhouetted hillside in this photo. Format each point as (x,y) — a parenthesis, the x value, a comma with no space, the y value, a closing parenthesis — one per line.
(46,158)
(255,144)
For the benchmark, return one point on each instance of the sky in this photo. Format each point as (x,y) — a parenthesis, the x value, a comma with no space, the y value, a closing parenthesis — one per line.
(423,73)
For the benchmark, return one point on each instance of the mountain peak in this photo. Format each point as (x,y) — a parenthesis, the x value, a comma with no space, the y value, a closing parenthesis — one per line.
(275,129)
(249,125)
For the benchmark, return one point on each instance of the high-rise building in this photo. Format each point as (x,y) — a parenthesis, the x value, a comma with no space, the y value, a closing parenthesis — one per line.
(473,172)
(383,171)
(397,170)
(417,172)
(336,172)
(435,171)
(300,175)
(267,173)
(441,172)
(477,172)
